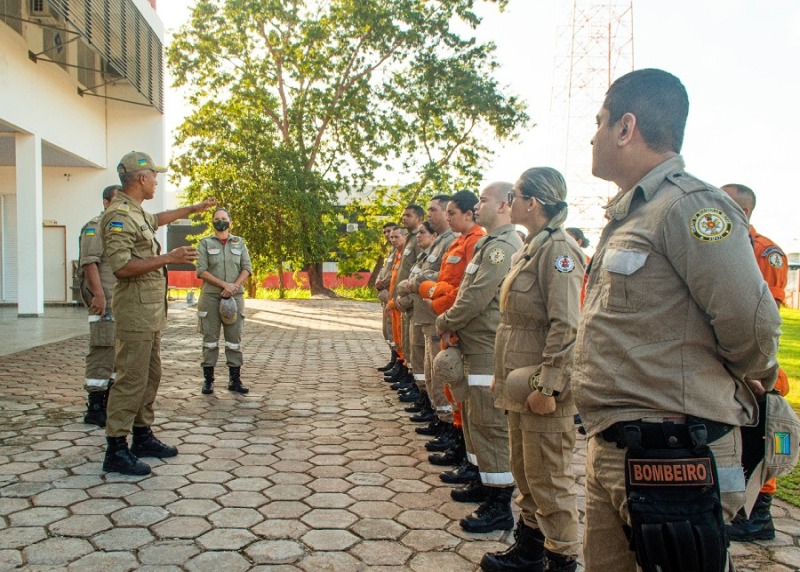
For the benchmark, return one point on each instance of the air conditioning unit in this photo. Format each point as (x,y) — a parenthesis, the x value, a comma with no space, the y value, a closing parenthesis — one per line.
(352,226)
(42,11)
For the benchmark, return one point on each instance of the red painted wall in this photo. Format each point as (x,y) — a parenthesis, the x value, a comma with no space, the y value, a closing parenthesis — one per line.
(187,279)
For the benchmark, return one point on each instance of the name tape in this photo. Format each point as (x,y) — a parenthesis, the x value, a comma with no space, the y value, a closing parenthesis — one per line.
(670,472)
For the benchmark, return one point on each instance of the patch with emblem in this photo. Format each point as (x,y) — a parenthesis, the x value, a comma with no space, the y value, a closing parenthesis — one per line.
(431,291)
(115,226)
(564,263)
(776,260)
(710,225)
(89,232)
(496,255)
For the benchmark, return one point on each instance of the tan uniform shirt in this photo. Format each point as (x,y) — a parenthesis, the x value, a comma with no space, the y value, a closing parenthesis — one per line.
(410,254)
(91,252)
(429,270)
(539,314)
(385,273)
(676,311)
(225,261)
(139,303)
(475,314)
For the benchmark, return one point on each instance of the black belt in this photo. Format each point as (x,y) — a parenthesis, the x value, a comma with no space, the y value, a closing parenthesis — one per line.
(666,435)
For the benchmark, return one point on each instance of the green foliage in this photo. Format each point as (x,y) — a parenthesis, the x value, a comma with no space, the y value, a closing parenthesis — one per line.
(298,101)
(363,293)
(789,358)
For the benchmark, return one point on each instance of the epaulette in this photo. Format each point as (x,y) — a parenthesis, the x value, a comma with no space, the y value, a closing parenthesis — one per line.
(124,207)
(688,183)
(235,239)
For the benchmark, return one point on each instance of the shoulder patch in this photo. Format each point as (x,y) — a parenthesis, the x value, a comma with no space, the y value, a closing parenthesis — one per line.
(115,226)
(496,255)
(770,250)
(776,259)
(90,231)
(564,263)
(710,225)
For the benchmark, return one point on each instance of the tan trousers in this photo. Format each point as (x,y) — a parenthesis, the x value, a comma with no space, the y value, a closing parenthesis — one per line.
(209,324)
(542,466)
(485,426)
(100,359)
(405,337)
(444,411)
(131,398)
(387,326)
(605,546)
(418,355)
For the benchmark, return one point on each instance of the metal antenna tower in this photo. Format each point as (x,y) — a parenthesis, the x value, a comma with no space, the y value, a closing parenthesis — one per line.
(594,46)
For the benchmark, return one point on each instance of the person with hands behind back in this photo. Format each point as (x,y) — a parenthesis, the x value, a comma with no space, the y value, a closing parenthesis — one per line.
(139,305)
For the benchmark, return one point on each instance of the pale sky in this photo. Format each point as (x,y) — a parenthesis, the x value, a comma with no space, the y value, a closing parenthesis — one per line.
(737,59)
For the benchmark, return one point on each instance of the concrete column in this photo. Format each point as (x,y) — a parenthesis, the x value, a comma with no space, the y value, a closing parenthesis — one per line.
(30,272)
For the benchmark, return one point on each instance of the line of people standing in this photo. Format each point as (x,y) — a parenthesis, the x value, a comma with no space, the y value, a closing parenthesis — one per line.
(664,361)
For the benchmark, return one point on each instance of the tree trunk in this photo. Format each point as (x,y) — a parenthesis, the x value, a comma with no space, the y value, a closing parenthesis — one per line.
(281,285)
(315,283)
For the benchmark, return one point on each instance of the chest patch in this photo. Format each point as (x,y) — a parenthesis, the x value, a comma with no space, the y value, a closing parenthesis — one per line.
(564,263)
(496,255)
(115,226)
(710,225)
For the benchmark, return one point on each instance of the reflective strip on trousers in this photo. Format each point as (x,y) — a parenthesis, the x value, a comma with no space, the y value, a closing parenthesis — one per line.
(497,478)
(210,345)
(479,380)
(419,377)
(232,346)
(95,318)
(472,458)
(444,409)
(99,383)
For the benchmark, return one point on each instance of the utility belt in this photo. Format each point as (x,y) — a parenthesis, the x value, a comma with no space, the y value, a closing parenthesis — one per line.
(673,494)
(664,435)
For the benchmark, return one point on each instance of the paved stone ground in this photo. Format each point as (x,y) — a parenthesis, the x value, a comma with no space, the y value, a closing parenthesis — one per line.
(316,469)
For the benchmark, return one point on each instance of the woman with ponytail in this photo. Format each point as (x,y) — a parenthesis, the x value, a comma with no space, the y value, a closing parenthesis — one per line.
(539,308)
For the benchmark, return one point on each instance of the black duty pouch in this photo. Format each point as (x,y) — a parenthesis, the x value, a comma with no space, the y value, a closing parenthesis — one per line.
(674,501)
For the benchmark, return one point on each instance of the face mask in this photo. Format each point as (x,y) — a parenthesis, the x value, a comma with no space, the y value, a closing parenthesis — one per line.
(221,225)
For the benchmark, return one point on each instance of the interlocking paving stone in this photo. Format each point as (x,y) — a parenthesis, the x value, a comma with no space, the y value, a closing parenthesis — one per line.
(317,469)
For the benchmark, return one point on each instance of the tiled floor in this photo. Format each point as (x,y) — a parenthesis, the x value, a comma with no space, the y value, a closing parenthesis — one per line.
(316,469)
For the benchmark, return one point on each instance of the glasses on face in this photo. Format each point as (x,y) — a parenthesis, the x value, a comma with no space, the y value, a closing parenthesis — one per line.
(512,196)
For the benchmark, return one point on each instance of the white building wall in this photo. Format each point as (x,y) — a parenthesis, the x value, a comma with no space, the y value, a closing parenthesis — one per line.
(88,134)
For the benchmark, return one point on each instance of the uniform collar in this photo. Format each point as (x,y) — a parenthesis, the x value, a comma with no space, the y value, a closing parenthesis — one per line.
(619,207)
(122,197)
(441,237)
(502,229)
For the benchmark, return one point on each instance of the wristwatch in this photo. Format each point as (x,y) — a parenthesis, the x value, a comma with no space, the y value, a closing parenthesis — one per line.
(547,392)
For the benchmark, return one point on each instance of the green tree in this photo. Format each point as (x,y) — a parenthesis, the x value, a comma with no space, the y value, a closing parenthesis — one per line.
(295,99)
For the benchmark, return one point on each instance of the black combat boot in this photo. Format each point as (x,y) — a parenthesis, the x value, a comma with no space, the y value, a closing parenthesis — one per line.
(434,427)
(235,383)
(758,527)
(466,472)
(525,555)
(421,404)
(391,363)
(145,444)
(493,514)
(559,563)
(208,380)
(445,440)
(473,491)
(411,395)
(119,458)
(424,416)
(454,455)
(398,372)
(96,408)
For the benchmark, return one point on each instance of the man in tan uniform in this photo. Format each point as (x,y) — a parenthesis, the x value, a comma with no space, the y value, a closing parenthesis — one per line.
(412,218)
(677,323)
(382,286)
(424,314)
(96,284)
(140,309)
(474,318)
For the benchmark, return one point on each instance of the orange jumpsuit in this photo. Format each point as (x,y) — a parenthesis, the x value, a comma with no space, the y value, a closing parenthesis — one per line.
(396,317)
(454,264)
(775,269)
